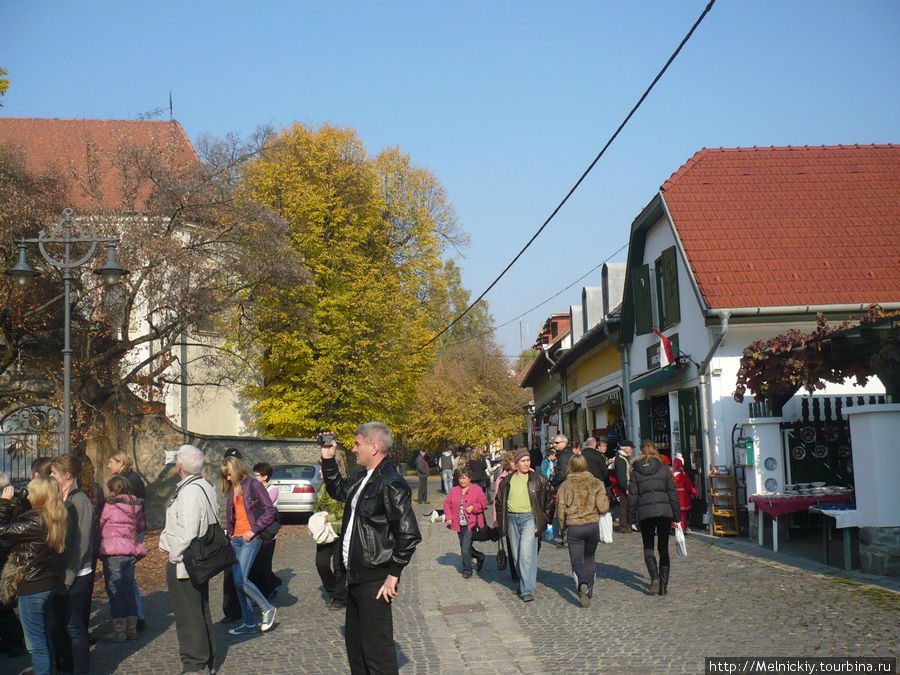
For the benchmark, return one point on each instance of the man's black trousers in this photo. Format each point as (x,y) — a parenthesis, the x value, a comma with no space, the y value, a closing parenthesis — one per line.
(369,630)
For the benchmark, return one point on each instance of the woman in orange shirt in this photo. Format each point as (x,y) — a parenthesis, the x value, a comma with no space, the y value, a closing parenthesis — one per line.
(249,511)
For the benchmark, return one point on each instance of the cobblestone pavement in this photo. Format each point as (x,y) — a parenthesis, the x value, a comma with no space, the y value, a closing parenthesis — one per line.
(727,598)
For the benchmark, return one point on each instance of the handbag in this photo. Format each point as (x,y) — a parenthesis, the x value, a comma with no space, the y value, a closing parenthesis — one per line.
(208,554)
(680,545)
(320,529)
(606,528)
(501,556)
(269,532)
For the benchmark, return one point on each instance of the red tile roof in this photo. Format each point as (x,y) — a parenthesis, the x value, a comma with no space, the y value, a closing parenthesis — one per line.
(85,152)
(768,227)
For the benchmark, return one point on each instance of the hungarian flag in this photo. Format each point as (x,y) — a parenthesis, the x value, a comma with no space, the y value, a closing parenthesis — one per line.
(667,350)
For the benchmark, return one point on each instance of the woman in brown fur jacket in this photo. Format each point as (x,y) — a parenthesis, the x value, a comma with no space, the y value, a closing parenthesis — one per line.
(580,501)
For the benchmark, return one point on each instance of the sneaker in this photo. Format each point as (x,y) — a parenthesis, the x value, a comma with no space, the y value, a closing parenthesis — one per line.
(336,605)
(584,595)
(268,619)
(466,575)
(527,597)
(243,629)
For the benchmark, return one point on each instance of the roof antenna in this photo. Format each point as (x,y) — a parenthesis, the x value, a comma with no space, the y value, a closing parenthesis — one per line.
(170,105)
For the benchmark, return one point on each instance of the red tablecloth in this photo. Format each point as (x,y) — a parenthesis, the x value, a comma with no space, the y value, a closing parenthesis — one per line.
(780,506)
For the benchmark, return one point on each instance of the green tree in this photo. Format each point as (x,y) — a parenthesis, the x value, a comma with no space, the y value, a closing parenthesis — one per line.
(469,397)
(4,83)
(373,232)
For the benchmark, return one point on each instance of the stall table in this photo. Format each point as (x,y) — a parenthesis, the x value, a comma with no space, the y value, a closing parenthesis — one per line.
(844,518)
(778,506)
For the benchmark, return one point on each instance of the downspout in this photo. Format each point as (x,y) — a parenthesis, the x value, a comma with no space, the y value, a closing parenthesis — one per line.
(706,410)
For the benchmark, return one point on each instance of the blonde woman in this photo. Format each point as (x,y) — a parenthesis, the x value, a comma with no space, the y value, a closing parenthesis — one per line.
(652,495)
(37,538)
(248,510)
(580,502)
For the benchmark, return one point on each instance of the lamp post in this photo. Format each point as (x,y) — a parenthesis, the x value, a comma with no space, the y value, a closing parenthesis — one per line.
(67,233)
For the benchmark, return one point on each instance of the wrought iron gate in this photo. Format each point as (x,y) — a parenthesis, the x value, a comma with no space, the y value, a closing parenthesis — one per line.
(28,433)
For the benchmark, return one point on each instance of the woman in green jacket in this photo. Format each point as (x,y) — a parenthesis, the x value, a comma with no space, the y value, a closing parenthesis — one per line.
(327,564)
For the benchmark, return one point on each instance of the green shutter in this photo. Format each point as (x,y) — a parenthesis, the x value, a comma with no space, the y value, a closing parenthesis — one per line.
(646,424)
(670,286)
(640,287)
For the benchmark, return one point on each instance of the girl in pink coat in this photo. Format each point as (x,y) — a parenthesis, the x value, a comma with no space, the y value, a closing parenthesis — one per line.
(463,509)
(121,521)
(686,490)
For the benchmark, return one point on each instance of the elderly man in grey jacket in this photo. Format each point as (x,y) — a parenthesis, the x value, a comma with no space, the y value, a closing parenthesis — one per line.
(189,513)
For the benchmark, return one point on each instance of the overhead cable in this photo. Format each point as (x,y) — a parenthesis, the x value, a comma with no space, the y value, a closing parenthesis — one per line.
(583,175)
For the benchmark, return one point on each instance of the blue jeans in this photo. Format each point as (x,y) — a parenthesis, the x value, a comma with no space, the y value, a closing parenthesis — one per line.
(525,544)
(34,613)
(118,573)
(246,590)
(447,480)
(466,550)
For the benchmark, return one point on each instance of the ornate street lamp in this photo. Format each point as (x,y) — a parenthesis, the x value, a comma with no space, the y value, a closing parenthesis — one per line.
(68,233)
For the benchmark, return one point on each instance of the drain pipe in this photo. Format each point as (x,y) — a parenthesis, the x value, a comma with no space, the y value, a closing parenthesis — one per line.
(706,410)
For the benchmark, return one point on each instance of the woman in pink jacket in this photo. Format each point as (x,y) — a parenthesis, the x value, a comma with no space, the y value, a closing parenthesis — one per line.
(463,508)
(120,523)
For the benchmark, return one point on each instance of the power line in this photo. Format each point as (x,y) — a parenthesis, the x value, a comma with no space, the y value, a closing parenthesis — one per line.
(583,175)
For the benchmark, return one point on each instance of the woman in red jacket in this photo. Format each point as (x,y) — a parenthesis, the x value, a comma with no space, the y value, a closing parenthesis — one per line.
(686,490)
(463,509)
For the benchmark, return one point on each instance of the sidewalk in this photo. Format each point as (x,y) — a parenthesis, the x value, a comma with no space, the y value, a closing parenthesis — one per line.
(723,601)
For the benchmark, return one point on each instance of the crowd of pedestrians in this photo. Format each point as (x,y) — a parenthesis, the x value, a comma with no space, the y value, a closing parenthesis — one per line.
(53,534)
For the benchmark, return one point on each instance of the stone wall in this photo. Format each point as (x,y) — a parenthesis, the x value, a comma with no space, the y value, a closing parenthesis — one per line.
(879,550)
(152,435)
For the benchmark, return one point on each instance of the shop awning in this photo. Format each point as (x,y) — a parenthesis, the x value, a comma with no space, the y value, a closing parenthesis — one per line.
(656,377)
(547,407)
(598,399)
(567,407)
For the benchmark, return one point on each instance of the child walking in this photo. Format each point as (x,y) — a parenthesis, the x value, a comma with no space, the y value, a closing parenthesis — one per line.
(120,523)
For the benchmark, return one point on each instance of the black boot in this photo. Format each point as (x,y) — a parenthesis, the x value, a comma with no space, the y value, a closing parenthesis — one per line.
(663,579)
(650,559)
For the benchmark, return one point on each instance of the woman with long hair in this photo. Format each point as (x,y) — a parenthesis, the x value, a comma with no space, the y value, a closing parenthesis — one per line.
(72,608)
(35,563)
(463,509)
(580,502)
(249,511)
(120,548)
(653,497)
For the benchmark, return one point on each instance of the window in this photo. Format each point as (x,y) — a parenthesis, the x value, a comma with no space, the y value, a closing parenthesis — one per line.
(643,306)
(667,288)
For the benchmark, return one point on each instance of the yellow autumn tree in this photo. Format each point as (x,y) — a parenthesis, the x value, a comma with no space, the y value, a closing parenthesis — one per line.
(373,232)
(470,397)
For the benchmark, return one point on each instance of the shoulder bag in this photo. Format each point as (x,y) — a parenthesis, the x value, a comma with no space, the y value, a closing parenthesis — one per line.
(501,555)
(208,554)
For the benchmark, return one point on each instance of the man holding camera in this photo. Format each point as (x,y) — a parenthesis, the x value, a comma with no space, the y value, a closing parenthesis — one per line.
(378,537)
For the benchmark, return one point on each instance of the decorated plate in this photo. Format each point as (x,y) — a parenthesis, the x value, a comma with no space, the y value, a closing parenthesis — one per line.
(660,424)
(799,452)
(771,484)
(808,434)
(771,463)
(662,410)
(820,452)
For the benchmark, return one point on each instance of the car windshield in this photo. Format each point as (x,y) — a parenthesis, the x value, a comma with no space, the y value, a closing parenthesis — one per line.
(298,471)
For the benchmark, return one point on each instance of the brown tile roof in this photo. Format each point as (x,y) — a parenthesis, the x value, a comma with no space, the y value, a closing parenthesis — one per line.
(87,154)
(768,227)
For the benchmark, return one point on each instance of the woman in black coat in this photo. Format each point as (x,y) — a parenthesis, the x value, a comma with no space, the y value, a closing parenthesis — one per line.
(652,495)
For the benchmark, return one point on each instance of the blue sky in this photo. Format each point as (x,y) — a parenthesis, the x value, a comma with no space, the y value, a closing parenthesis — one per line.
(506,102)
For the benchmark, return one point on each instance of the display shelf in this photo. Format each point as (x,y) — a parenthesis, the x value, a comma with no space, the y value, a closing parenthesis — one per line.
(724,504)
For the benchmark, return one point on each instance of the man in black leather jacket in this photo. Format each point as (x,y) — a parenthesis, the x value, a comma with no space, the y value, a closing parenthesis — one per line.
(378,537)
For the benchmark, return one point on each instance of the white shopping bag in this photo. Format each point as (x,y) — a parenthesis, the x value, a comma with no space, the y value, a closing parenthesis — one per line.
(606,528)
(680,546)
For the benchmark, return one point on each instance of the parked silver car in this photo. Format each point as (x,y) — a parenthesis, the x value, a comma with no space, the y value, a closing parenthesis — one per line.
(297,485)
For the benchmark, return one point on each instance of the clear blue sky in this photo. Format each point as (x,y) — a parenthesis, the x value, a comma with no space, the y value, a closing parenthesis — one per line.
(506,102)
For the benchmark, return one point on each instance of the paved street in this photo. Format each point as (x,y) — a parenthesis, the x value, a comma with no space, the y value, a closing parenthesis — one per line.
(725,599)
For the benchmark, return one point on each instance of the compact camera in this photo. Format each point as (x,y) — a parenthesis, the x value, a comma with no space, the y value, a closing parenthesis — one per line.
(325,439)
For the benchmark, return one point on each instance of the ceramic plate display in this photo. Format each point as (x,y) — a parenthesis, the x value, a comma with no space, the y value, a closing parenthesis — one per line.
(808,434)
(798,452)
(771,463)
(820,451)
(818,484)
(660,424)
(771,484)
